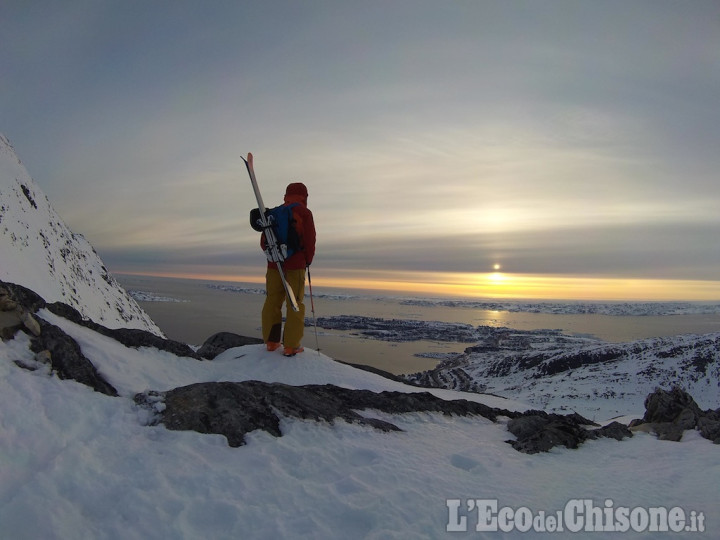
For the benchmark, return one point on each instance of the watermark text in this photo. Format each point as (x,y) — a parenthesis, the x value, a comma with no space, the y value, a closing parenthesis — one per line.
(578,515)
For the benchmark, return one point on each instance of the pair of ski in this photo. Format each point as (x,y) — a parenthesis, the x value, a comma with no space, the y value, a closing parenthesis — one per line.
(271,241)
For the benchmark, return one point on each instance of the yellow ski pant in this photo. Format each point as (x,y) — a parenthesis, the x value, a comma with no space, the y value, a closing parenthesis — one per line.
(272,310)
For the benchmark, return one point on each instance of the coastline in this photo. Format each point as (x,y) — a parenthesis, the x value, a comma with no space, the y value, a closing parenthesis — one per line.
(199,311)
(192,310)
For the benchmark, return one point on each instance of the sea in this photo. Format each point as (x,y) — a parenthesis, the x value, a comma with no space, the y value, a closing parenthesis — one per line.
(191,310)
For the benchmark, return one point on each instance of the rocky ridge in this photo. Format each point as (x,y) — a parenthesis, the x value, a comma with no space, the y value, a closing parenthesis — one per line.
(234,409)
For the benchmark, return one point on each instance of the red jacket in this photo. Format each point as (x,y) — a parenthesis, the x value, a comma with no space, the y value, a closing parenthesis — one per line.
(306,227)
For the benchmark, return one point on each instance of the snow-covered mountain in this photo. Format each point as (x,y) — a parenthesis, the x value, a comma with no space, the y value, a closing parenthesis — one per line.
(555,372)
(38,251)
(550,370)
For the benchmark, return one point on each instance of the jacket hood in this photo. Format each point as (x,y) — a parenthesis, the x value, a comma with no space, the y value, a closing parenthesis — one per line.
(296,192)
(296,188)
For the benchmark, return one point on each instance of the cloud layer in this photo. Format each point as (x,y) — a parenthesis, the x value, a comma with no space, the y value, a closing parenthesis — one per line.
(572,137)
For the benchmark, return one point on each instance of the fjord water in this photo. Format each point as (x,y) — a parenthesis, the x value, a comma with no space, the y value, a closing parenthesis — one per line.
(193,310)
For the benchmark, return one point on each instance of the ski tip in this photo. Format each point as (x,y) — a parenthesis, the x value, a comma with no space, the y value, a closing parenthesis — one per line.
(250,157)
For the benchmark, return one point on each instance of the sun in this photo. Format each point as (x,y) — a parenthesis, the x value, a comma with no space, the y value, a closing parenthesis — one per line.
(496,267)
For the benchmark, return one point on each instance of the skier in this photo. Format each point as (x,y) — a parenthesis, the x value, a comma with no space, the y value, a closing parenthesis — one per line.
(294,268)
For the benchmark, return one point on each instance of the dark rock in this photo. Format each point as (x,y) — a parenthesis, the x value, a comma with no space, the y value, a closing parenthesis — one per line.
(527,425)
(667,431)
(14,316)
(233,409)
(577,359)
(614,430)
(688,418)
(669,414)
(27,298)
(129,337)
(577,419)
(132,337)
(709,427)
(537,431)
(701,361)
(222,341)
(67,360)
(70,313)
(402,402)
(377,371)
(8,332)
(671,406)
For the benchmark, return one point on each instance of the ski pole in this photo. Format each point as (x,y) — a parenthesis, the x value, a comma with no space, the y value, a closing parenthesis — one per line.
(312,310)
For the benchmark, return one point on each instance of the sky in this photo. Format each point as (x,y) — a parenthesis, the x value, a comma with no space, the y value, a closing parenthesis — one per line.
(557,149)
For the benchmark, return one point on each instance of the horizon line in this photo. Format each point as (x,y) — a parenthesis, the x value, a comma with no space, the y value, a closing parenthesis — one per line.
(495,286)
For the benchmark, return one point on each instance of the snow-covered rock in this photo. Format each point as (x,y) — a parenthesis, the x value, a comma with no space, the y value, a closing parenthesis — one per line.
(562,373)
(38,251)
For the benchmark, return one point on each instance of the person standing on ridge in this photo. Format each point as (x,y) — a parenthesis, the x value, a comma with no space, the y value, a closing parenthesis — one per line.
(294,268)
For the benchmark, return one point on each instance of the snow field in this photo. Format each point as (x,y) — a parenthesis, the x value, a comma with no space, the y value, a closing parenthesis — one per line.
(78,464)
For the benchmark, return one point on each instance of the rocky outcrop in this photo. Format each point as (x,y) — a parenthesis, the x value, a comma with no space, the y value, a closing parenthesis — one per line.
(669,413)
(49,343)
(66,358)
(130,337)
(538,431)
(18,307)
(222,341)
(377,371)
(14,314)
(234,409)
(22,296)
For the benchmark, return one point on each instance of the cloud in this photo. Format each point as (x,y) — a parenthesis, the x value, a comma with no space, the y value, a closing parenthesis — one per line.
(677,251)
(572,137)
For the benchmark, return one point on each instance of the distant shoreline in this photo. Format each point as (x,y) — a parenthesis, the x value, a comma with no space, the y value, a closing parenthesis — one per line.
(569,307)
(191,310)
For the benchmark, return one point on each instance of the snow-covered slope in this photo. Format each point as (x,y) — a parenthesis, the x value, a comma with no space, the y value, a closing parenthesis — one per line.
(38,251)
(79,464)
(561,373)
